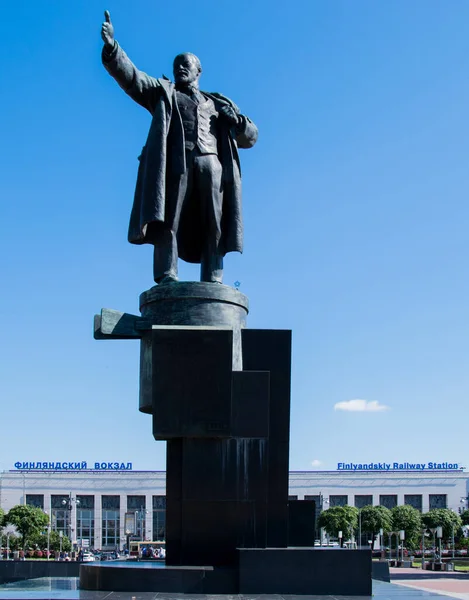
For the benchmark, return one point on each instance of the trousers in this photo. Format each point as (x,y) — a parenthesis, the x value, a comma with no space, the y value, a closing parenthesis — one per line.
(201,183)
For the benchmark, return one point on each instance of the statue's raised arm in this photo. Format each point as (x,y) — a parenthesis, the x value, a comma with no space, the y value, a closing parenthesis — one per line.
(138,85)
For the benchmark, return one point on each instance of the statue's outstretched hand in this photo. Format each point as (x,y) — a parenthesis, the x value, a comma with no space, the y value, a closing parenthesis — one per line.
(107,30)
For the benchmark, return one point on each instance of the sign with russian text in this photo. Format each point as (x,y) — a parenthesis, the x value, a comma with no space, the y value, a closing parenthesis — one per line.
(72,466)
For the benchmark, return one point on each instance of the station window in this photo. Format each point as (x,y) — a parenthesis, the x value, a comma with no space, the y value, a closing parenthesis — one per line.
(388,500)
(293,497)
(414,500)
(85,521)
(437,501)
(111,521)
(338,500)
(363,500)
(36,500)
(60,513)
(136,504)
(159,517)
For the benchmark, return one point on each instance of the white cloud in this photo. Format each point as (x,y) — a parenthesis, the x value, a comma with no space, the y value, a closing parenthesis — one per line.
(316,463)
(361,406)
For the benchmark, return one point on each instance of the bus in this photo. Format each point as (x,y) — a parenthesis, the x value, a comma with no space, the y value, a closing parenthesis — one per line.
(148,550)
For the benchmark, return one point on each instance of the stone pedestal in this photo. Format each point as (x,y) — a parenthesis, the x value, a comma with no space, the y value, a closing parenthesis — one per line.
(219,394)
(190,304)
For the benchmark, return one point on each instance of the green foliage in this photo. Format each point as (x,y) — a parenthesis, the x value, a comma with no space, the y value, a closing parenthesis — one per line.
(465,517)
(339,518)
(408,518)
(443,517)
(40,540)
(2,515)
(374,518)
(463,543)
(29,521)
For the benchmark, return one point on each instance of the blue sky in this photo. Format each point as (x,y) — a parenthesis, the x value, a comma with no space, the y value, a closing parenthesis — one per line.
(355,206)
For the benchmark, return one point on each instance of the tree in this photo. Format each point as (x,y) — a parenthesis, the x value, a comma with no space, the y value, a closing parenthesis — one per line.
(54,541)
(29,521)
(339,518)
(443,517)
(465,517)
(374,518)
(408,518)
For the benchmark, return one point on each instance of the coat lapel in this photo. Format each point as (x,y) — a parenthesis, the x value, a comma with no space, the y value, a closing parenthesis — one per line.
(168,89)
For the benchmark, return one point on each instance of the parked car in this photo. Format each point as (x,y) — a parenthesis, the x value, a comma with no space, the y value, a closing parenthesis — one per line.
(107,556)
(88,557)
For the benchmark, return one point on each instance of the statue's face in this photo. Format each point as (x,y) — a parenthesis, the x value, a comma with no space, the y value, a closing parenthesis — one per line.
(186,69)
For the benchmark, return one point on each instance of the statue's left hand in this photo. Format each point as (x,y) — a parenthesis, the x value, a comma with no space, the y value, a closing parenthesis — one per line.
(229,113)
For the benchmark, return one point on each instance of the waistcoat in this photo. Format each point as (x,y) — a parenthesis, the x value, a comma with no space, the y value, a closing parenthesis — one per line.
(199,122)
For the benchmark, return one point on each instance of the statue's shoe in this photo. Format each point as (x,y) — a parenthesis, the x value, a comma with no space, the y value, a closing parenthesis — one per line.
(168,279)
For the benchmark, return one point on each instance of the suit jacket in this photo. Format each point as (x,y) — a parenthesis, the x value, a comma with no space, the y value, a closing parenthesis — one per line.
(164,154)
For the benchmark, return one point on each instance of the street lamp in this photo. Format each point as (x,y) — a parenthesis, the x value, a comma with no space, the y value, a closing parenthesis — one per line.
(424,533)
(439,535)
(48,541)
(433,530)
(396,533)
(69,504)
(48,535)
(402,538)
(359,528)
(141,517)
(452,539)
(452,534)
(322,501)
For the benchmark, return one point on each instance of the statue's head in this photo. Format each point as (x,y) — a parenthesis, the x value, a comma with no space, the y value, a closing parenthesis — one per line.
(186,68)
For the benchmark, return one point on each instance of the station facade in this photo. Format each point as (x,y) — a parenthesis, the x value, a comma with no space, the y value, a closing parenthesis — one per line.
(100,508)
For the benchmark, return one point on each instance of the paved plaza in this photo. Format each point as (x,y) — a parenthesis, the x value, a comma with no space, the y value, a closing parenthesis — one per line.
(452,584)
(67,589)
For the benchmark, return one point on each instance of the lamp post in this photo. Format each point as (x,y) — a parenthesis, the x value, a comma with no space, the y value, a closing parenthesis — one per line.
(69,504)
(141,517)
(452,540)
(396,533)
(439,535)
(424,533)
(48,535)
(359,528)
(322,501)
(48,541)
(402,538)
(433,530)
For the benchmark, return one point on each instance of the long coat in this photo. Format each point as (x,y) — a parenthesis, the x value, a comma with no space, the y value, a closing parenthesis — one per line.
(163,156)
